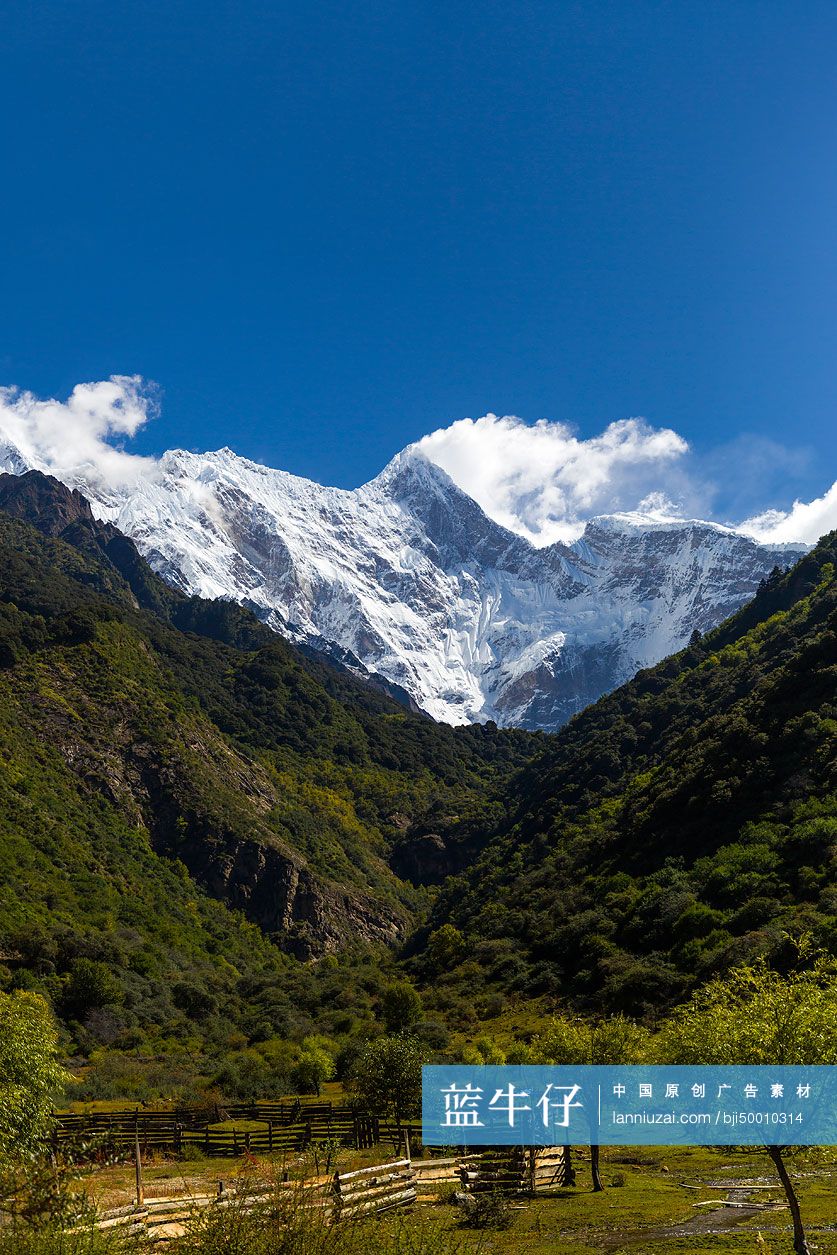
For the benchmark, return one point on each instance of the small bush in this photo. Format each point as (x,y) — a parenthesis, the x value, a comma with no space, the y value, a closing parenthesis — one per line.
(489,1211)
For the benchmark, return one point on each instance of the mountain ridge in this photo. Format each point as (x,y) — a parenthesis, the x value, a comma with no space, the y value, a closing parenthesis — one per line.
(407,578)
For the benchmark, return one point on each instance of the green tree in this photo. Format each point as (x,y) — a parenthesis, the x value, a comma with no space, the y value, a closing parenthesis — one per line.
(401,1006)
(30,1076)
(447,948)
(570,1040)
(483,1050)
(386,1077)
(246,1074)
(755,1015)
(314,1067)
(91,985)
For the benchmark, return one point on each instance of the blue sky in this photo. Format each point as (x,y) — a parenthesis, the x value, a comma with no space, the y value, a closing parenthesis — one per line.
(326,230)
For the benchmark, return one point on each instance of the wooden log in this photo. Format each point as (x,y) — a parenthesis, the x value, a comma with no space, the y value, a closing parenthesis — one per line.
(362,1183)
(382,1167)
(444,1172)
(374,1197)
(396,1182)
(114,1213)
(198,1199)
(401,1199)
(120,1221)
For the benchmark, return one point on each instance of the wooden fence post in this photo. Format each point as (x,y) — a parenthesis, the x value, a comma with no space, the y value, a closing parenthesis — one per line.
(138,1168)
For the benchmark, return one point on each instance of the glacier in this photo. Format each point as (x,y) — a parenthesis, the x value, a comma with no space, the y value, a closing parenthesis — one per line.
(408,579)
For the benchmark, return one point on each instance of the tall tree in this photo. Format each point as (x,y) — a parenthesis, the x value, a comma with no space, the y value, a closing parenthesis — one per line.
(386,1077)
(756,1015)
(401,1007)
(571,1040)
(30,1075)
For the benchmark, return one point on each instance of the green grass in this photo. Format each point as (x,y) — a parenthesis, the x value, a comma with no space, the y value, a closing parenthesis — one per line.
(628,1219)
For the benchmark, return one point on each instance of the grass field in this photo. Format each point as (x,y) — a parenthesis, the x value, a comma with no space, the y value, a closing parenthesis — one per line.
(650,1203)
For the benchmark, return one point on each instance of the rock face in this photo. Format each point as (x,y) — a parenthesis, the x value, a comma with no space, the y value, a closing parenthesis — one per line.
(305,914)
(408,579)
(423,859)
(40,499)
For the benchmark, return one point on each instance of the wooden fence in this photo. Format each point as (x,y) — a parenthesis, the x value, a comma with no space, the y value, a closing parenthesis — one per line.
(167,1217)
(294,1127)
(375,1189)
(516,1169)
(286,1127)
(349,1195)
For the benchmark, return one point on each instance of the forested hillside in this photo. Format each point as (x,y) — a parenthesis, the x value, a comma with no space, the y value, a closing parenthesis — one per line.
(686,822)
(188,806)
(207,836)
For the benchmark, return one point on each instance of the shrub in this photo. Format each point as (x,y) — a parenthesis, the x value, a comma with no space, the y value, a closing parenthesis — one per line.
(91,986)
(489,1211)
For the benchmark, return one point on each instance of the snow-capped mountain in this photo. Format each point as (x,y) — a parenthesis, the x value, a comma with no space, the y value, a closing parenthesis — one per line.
(410,577)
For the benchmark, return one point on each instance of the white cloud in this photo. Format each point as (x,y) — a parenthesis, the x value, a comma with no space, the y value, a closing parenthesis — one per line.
(804,521)
(544,482)
(540,480)
(79,439)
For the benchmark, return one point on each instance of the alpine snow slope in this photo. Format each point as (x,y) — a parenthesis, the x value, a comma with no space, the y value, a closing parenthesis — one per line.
(408,578)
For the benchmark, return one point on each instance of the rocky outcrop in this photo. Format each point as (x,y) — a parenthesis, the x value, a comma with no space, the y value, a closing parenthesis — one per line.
(246,864)
(44,502)
(306,915)
(424,859)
